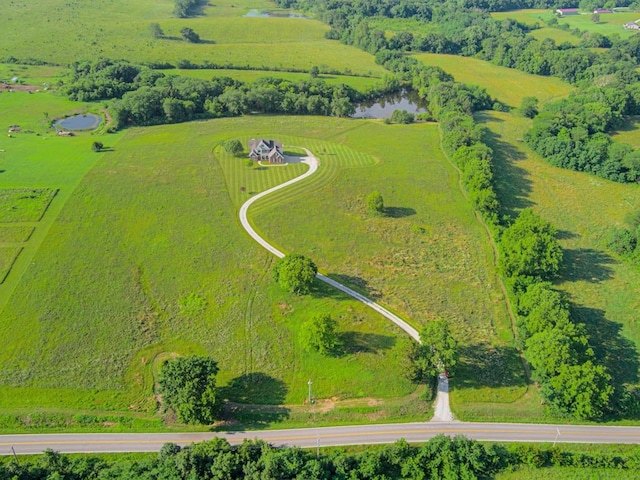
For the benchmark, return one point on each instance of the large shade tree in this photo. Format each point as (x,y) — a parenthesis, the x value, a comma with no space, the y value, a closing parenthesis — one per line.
(295,273)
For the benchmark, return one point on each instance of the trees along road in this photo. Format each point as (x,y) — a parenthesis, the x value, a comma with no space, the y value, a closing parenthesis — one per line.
(328,436)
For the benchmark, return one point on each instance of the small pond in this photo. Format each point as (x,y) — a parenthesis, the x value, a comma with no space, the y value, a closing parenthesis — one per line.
(88,121)
(254,13)
(385,107)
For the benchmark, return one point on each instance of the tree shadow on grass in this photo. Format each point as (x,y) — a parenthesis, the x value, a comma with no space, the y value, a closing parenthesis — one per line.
(358,342)
(255,388)
(320,289)
(356,283)
(586,264)
(483,365)
(511,182)
(253,401)
(616,352)
(398,212)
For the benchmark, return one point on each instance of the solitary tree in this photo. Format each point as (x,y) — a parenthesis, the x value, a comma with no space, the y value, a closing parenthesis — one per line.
(233,146)
(189,35)
(595,18)
(529,107)
(320,334)
(188,386)
(375,202)
(295,273)
(97,146)
(314,72)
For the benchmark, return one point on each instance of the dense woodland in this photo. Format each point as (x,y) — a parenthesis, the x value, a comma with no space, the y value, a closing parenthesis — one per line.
(440,458)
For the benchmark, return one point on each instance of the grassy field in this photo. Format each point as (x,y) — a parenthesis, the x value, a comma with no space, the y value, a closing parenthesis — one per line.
(508,85)
(359,83)
(62,32)
(176,236)
(609,24)
(604,291)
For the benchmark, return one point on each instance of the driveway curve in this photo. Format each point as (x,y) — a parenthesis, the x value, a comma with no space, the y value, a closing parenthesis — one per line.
(443,412)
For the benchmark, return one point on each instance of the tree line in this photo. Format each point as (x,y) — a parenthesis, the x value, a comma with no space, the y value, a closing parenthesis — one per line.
(440,458)
(142,96)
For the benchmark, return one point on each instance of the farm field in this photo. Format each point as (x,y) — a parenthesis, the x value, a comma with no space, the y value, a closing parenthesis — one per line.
(609,24)
(178,235)
(410,260)
(508,85)
(61,32)
(359,83)
(605,292)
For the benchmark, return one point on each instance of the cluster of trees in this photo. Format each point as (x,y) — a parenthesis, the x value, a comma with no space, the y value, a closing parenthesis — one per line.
(145,97)
(187,8)
(440,458)
(437,353)
(558,350)
(626,241)
(571,133)
(188,387)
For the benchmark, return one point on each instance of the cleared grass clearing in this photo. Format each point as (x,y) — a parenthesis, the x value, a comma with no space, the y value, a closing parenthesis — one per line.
(629,132)
(508,85)
(29,74)
(359,83)
(555,34)
(100,304)
(604,291)
(8,256)
(427,258)
(15,233)
(73,31)
(24,204)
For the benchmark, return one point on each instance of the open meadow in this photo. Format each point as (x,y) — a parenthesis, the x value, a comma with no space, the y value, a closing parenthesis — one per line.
(508,85)
(63,32)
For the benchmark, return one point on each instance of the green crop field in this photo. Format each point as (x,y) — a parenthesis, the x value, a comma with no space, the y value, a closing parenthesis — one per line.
(63,32)
(359,83)
(508,85)
(605,292)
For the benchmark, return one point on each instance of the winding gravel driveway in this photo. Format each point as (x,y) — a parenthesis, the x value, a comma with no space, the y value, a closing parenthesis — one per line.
(442,410)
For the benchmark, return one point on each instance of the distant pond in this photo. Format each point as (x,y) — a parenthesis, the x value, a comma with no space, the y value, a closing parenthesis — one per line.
(254,13)
(385,107)
(88,121)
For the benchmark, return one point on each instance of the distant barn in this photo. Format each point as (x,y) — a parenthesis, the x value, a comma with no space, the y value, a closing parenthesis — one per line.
(567,11)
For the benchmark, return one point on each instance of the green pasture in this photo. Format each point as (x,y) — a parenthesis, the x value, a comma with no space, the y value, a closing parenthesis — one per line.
(508,85)
(629,132)
(567,473)
(63,32)
(359,83)
(604,291)
(557,35)
(532,17)
(29,74)
(152,222)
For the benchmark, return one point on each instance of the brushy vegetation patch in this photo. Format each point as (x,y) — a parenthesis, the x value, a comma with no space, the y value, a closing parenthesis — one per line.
(508,85)
(24,204)
(15,233)
(8,256)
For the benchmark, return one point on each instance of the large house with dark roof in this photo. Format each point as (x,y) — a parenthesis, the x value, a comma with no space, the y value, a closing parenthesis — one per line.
(268,150)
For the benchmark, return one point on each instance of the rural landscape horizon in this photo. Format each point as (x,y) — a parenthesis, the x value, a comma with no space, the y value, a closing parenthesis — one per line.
(465,173)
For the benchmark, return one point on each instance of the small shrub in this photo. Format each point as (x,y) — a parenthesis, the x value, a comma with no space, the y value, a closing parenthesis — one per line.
(97,146)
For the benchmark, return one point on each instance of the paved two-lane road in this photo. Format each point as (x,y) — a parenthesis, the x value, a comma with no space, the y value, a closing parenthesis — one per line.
(329,436)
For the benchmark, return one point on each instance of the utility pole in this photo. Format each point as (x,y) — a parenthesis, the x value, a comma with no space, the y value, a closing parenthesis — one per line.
(309,383)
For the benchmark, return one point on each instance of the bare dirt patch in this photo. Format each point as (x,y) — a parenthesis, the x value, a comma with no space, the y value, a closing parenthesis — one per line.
(14,87)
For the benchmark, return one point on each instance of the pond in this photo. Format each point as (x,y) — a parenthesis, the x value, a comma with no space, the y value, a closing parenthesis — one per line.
(254,13)
(88,121)
(385,107)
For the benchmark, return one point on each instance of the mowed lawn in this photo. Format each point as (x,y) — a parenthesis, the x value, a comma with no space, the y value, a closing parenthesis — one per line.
(150,224)
(427,259)
(604,291)
(62,32)
(508,85)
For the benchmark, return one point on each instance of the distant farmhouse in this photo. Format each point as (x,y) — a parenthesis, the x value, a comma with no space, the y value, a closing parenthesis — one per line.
(563,12)
(268,150)
(602,10)
(631,26)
